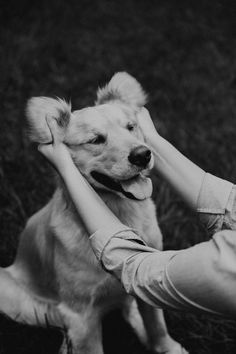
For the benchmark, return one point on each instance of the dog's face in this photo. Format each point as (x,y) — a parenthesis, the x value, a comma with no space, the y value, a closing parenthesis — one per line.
(108,147)
(105,141)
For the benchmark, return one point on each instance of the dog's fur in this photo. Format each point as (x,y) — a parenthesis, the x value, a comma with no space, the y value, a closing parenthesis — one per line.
(56,276)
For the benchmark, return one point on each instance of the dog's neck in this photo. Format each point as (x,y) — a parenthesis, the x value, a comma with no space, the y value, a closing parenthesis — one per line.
(116,203)
(130,212)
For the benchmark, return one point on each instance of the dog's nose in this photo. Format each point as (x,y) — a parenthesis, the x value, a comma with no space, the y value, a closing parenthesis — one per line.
(140,156)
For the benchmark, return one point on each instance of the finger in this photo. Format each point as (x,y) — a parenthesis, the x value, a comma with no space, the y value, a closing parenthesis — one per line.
(42,148)
(144,113)
(53,128)
(141,114)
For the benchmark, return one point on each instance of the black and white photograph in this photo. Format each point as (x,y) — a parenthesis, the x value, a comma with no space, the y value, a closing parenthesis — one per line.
(118,177)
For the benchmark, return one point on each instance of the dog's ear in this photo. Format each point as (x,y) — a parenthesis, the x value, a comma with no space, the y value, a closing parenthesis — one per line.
(125,88)
(37,109)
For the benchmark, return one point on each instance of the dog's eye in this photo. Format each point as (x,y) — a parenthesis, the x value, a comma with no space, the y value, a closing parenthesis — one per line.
(99,139)
(130,126)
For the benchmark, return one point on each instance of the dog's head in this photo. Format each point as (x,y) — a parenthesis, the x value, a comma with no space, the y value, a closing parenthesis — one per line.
(105,140)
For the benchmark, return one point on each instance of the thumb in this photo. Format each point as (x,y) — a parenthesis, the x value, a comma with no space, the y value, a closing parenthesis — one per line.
(43,148)
(53,128)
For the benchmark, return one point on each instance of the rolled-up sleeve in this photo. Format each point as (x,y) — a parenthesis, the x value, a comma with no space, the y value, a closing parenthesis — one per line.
(140,268)
(217,204)
(172,279)
(194,279)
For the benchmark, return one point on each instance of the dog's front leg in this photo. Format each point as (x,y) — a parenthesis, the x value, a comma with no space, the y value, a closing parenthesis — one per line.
(23,306)
(84,332)
(159,339)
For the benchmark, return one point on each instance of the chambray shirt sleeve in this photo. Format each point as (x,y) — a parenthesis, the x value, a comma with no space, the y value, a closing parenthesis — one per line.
(198,279)
(217,204)
(124,254)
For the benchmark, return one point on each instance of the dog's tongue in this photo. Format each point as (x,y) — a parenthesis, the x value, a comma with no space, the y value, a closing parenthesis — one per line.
(140,187)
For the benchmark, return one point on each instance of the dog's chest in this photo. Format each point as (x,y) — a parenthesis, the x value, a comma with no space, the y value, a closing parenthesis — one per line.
(139,215)
(78,270)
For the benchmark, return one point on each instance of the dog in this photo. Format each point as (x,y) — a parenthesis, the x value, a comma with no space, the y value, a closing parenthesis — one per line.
(56,275)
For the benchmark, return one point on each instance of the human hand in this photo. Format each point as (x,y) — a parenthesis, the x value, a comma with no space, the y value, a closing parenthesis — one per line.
(56,152)
(146,124)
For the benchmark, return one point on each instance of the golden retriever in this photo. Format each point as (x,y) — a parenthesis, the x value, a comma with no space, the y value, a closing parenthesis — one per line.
(55,275)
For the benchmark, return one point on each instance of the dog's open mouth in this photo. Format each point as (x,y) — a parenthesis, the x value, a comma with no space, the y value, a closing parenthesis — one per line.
(138,187)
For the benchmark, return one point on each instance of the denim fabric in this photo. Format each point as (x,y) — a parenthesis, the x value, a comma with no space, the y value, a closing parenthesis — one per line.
(217,204)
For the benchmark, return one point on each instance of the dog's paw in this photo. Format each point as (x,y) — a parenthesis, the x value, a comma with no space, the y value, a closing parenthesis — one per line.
(169,346)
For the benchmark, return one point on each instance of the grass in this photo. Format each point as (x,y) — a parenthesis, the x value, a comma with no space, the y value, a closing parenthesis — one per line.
(183,53)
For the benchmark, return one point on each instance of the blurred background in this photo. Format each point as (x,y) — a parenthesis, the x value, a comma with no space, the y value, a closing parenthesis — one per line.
(183,53)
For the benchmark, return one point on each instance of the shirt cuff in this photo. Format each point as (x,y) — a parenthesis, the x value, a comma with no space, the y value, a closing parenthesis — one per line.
(101,237)
(214,195)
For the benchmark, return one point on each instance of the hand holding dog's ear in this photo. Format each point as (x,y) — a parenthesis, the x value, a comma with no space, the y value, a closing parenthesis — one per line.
(37,111)
(55,152)
(146,124)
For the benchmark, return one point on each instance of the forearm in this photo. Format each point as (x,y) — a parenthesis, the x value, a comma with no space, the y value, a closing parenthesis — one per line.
(92,210)
(183,175)
(212,197)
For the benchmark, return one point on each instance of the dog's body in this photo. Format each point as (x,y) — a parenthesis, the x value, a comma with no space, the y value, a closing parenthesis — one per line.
(55,263)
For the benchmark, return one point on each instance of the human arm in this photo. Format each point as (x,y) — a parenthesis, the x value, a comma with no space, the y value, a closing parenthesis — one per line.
(182,174)
(198,279)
